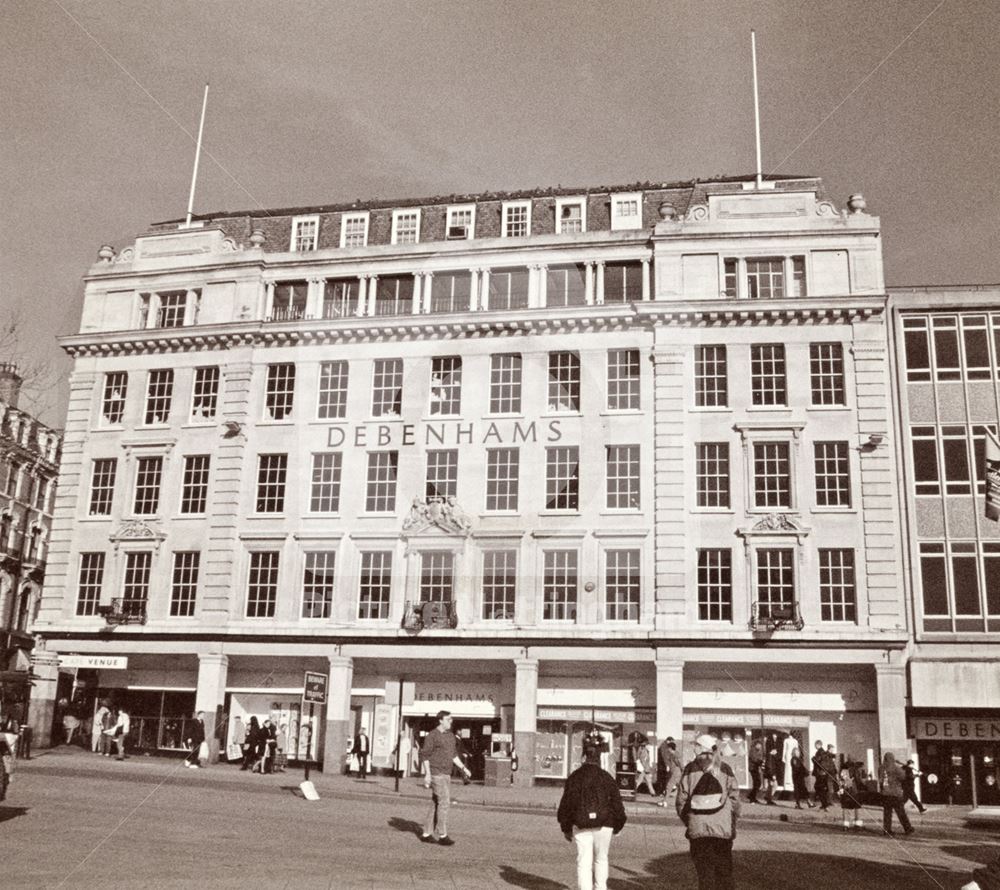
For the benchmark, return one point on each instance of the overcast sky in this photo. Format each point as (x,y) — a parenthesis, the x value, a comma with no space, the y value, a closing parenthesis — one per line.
(317,102)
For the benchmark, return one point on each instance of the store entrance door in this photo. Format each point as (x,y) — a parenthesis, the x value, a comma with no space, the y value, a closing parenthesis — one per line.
(474,743)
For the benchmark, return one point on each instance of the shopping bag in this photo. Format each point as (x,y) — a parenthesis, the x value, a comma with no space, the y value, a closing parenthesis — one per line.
(203,752)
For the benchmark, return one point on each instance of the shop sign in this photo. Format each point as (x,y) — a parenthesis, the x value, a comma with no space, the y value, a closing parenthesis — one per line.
(314,688)
(776,721)
(444,433)
(95,662)
(448,694)
(597,715)
(934,728)
(384,735)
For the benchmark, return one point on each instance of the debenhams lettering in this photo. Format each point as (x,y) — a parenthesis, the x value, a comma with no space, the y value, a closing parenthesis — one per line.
(456,433)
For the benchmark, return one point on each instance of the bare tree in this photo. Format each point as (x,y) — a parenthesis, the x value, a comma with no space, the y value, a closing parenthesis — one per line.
(38,374)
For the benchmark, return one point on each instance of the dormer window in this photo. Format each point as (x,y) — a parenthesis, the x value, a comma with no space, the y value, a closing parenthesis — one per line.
(169,309)
(516,222)
(406,226)
(626,211)
(354,230)
(765,278)
(461,222)
(305,233)
(571,216)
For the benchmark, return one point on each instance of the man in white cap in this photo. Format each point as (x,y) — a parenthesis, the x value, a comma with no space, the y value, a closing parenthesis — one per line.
(708,802)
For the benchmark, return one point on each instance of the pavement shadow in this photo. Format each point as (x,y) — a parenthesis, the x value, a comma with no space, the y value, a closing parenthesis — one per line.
(984,854)
(7,813)
(517,878)
(407,826)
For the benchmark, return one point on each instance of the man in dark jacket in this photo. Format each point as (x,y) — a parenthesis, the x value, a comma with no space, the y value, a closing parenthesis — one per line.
(196,735)
(590,812)
(362,749)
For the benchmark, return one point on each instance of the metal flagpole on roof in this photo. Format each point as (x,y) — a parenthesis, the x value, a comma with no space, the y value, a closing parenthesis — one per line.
(756,106)
(197,157)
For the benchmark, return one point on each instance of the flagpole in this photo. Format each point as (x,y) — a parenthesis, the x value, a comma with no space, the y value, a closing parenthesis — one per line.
(756,106)
(197,157)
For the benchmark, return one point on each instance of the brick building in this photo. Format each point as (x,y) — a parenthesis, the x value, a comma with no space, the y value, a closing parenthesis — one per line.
(554,457)
(29,458)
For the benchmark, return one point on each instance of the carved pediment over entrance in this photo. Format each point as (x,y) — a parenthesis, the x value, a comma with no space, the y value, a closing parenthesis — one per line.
(137,530)
(436,514)
(776,522)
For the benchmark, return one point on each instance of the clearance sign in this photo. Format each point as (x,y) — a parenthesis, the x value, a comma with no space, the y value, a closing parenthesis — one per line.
(933,729)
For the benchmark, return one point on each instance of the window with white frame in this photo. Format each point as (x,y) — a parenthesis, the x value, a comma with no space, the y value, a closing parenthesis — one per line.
(623,281)
(91,581)
(324,495)
(354,230)
(340,297)
(505,383)
(394,295)
(205,394)
(170,313)
(499,584)
(715,584)
(289,300)
(503,467)
(826,373)
(305,233)
(768,384)
(562,478)
(926,468)
(461,222)
(387,387)
(451,291)
(159,392)
(565,285)
(833,474)
(711,377)
(571,216)
(437,576)
(772,475)
(441,481)
(560,583)
(775,580)
(272,474)
(712,475)
(622,463)
(318,584)
(279,392)
(509,289)
(766,278)
(135,586)
(13,479)
(375,585)
(113,400)
(184,583)
(383,472)
(621,585)
(332,390)
(516,221)
(623,379)
(979,432)
(564,381)
(626,211)
(148,474)
(406,226)
(102,485)
(194,485)
(837,594)
(262,583)
(446,385)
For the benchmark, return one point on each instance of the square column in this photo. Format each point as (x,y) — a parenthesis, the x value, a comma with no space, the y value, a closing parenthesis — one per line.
(525,719)
(669,698)
(338,713)
(213,671)
(41,709)
(890,682)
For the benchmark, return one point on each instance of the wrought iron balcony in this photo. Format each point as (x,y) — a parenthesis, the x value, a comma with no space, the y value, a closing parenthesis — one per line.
(771,617)
(421,616)
(123,611)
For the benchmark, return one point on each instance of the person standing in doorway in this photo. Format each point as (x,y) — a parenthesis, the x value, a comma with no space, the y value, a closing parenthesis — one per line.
(196,735)
(362,750)
(820,776)
(437,757)
(891,778)
(708,802)
(756,766)
(590,812)
(799,773)
(98,726)
(120,733)
(910,787)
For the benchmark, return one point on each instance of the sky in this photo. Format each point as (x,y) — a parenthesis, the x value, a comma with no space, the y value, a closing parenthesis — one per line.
(318,102)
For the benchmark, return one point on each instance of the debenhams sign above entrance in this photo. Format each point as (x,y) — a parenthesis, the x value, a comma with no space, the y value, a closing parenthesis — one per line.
(391,435)
(955,729)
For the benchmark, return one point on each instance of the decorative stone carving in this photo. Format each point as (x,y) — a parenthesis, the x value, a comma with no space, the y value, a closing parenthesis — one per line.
(856,203)
(228,245)
(825,208)
(106,253)
(126,255)
(137,530)
(443,514)
(667,210)
(776,522)
(697,213)
(257,238)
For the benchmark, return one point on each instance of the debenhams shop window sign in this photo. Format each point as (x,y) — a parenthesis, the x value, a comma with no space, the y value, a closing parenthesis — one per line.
(455,433)
(956,729)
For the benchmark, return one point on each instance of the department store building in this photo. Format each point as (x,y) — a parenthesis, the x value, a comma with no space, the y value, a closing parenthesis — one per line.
(554,457)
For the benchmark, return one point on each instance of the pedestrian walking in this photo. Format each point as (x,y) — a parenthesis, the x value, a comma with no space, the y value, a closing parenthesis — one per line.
(850,805)
(281,754)
(756,766)
(438,755)
(119,732)
(590,812)
(250,742)
(269,734)
(362,750)
(820,776)
(892,777)
(101,718)
(708,802)
(773,767)
(910,786)
(196,735)
(672,768)
(799,773)
(643,767)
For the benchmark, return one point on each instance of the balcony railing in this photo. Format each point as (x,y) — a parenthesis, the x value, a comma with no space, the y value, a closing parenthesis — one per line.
(124,611)
(429,616)
(287,313)
(771,617)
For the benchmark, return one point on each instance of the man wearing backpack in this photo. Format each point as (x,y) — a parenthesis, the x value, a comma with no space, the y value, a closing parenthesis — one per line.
(708,802)
(590,811)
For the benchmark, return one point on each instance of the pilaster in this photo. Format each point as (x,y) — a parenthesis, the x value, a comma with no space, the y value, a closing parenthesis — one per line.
(525,719)
(338,713)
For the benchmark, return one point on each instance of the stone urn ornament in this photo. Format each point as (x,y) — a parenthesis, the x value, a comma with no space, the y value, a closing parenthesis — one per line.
(856,203)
